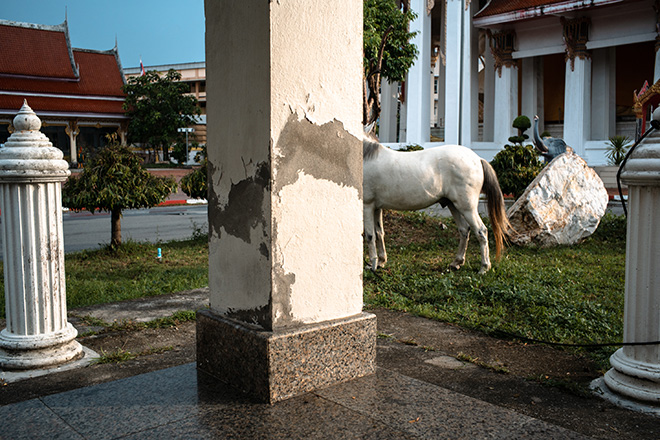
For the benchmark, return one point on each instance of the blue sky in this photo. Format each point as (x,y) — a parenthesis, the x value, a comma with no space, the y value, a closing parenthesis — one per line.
(161,31)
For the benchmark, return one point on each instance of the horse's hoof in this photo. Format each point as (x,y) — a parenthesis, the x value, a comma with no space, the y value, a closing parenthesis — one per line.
(454,267)
(483,270)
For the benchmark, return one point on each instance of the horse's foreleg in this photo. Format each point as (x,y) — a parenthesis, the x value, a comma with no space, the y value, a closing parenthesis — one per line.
(380,237)
(370,235)
(464,236)
(481,232)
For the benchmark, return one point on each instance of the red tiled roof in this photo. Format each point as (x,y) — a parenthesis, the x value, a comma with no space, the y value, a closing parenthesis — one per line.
(25,73)
(99,75)
(36,52)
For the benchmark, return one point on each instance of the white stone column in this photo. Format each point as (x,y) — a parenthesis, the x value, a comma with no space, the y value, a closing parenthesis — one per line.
(532,90)
(418,123)
(31,172)
(506,104)
(73,131)
(635,373)
(453,56)
(489,94)
(656,71)
(388,102)
(577,105)
(285,197)
(603,98)
(469,122)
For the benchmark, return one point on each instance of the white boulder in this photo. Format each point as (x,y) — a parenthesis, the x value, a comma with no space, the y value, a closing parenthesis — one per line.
(563,205)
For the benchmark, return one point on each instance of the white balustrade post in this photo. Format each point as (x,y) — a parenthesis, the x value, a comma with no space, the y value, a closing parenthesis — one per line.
(31,171)
(635,374)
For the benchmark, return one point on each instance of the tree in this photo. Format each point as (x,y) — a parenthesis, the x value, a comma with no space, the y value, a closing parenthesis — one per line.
(388,52)
(115,180)
(157,106)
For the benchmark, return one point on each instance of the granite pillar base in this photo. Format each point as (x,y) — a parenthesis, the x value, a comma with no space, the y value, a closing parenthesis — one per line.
(276,365)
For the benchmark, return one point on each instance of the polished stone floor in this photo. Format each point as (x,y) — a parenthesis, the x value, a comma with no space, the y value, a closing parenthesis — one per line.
(180,403)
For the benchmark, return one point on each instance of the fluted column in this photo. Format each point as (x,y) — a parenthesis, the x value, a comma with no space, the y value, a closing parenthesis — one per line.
(31,171)
(635,373)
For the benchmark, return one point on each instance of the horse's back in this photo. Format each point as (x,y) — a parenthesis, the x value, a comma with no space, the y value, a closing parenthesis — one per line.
(417,179)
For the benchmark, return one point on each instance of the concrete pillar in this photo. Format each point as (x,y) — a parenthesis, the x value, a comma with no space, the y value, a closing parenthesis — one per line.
(389,102)
(577,104)
(441,94)
(506,85)
(532,90)
(453,56)
(31,171)
(635,375)
(489,95)
(285,197)
(469,122)
(603,101)
(656,71)
(418,124)
(506,104)
(73,131)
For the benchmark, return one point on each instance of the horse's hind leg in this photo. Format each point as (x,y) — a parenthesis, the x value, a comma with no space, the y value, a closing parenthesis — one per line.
(380,237)
(370,235)
(464,236)
(477,225)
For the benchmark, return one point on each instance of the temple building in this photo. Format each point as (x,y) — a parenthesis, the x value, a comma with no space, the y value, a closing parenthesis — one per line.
(580,66)
(77,93)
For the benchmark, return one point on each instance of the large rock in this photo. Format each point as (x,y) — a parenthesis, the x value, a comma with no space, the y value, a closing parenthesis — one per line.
(563,205)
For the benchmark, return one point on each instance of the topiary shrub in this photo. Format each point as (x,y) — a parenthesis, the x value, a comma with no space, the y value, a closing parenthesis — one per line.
(516,166)
(522,123)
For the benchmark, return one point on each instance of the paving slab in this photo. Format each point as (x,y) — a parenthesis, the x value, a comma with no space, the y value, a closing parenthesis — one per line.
(179,402)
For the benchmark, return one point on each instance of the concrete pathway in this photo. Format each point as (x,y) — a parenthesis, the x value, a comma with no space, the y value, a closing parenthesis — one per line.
(417,393)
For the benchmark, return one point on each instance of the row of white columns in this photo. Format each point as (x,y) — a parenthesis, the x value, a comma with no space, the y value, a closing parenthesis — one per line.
(588,116)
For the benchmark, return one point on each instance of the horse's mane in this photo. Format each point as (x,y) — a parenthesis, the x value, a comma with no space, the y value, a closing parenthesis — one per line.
(370,146)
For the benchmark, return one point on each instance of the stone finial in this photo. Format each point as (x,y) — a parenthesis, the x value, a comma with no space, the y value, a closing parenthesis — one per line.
(28,154)
(26,119)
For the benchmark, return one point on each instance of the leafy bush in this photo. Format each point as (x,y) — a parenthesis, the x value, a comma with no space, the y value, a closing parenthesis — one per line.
(194,184)
(516,166)
(412,147)
(617,149)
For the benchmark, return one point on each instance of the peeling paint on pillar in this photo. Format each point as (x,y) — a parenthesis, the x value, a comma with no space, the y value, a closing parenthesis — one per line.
(314,149)
(313,159)
(244,209)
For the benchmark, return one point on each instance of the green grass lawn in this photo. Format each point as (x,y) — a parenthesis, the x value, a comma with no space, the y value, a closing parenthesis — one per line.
(103,276)
(568,294)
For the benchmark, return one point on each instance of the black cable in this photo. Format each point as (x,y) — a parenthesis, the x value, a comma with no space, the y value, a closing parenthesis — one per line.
(654,125)
(565,344)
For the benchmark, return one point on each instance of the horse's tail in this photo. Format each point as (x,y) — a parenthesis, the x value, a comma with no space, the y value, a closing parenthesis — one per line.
(496,211)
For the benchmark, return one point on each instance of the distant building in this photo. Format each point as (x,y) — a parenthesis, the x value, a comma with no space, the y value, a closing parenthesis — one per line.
(77,93)
(193,74)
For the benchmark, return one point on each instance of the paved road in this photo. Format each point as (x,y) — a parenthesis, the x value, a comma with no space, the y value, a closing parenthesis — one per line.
(83,230)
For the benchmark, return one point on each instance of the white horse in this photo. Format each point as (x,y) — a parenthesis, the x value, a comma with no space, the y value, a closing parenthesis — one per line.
(452,175)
